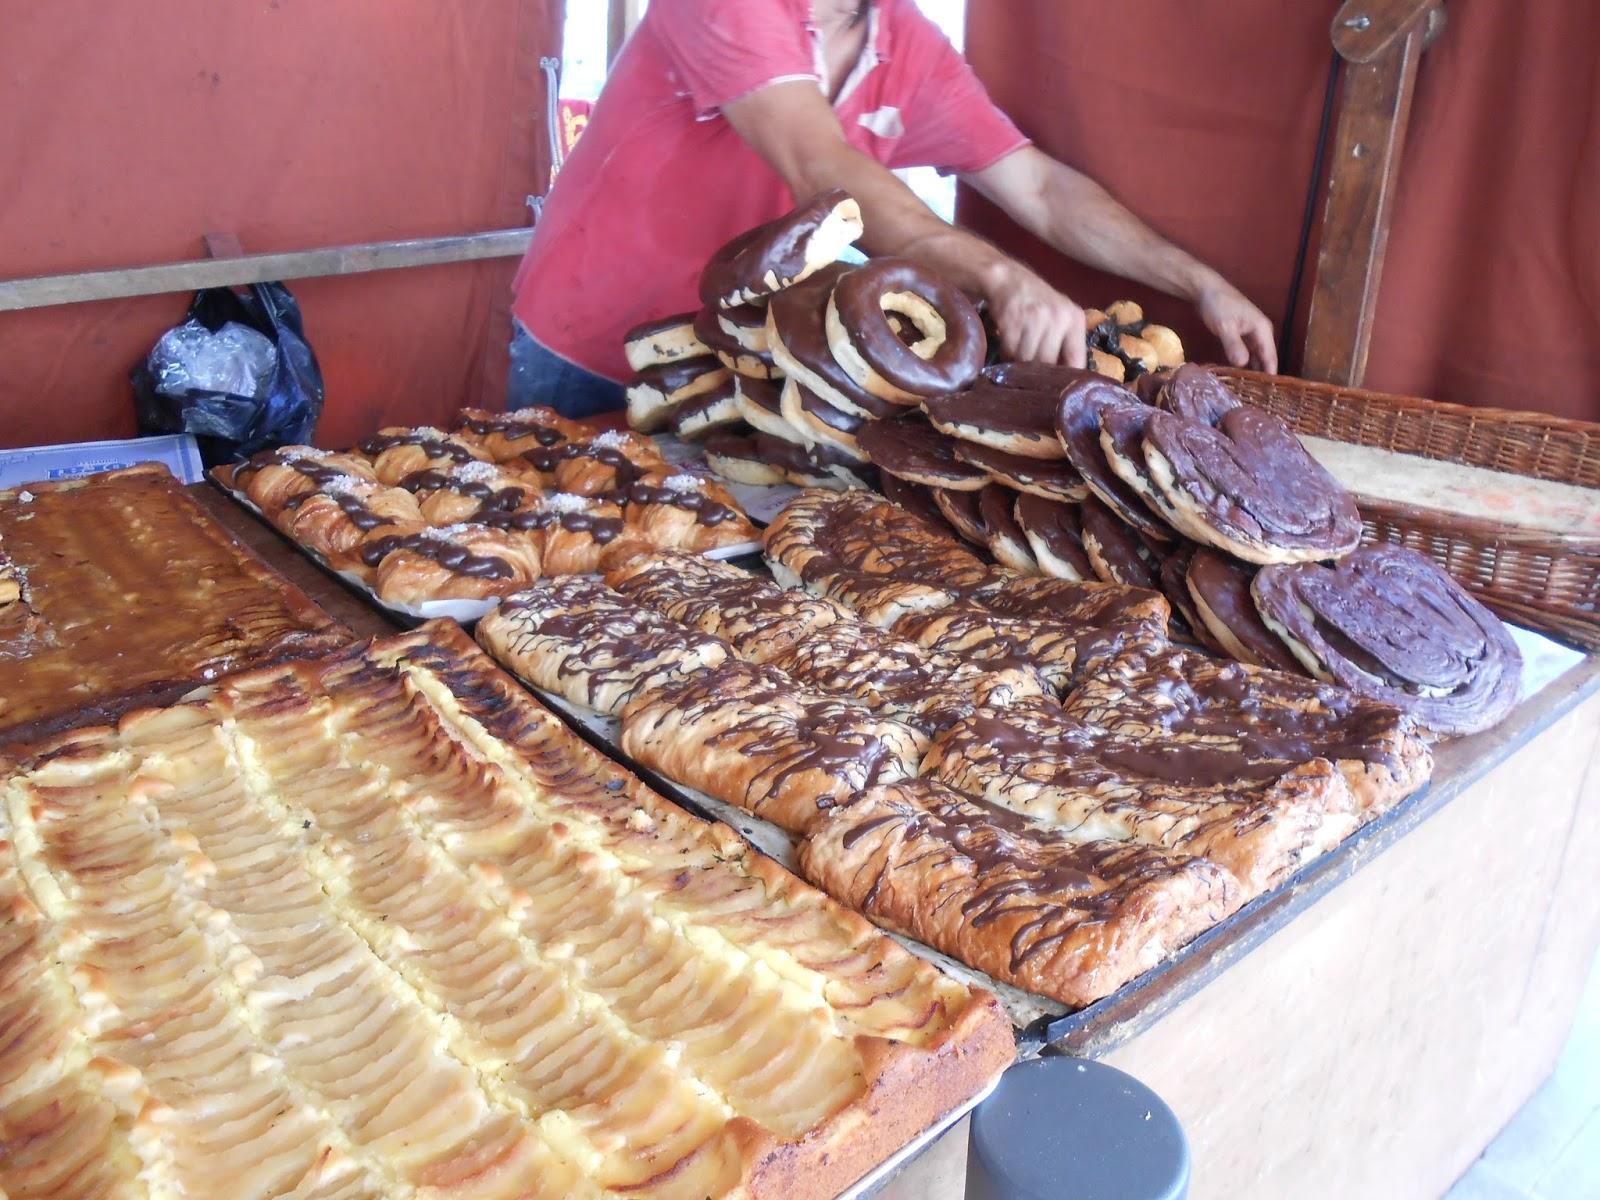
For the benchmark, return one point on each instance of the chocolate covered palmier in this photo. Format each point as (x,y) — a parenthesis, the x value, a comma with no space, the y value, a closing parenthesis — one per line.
(760,403)
(1002,534)
(1249,487)
(818,421)
(1195,394)
(783,252)
(961,510)
(658,391)
(1388,623)
(737,458)
(797,339)
(1055,535)
(1122,429)
(948,352)
(1078,426)
(1011,419)
(1219,590)
(1174,575)
(658,343)
(730,351)
(713,412)
(1053,479)
(911,449)
(1116,551)
(1148,386)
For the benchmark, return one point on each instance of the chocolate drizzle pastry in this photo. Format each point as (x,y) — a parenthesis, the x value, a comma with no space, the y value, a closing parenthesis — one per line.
(577,638)
(1053,479)
(336,520)
(1260,821)
(1078,426)
(756,617)
(911,449)
(1049,648)
(1050,911)
(1162,696)
(273,477)
(1388,623)
(1087,606)
(1219,590)
(749,735)
(1249,487)
(1011,419)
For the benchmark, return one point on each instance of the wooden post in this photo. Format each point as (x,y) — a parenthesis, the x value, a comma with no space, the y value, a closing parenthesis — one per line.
(1381,42)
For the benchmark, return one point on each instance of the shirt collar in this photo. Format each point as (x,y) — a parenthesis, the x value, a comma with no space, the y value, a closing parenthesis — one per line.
(873,55)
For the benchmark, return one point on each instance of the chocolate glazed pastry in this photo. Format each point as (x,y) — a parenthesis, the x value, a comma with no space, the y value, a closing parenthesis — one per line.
(1195,394)
(712,412)
(1122,428)
(962,511)
(1053,479)
(911,449)
(1220,591)
(656,394)
(797,339)
(1015,420)
(1390,624)
(919,501)
(1249,487)
(1175,587)
(746,324)
(730,352)
(1148,386)
(1117,553)
(760,403)
(737,458)
(657,343)
(947,356)
(1004,537)
(819,465)
(1078,427)
(1055,533)
(781,253)
(818,421)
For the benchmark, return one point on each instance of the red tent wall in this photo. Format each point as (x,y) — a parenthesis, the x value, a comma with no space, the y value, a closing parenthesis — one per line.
(1202,117)
(133,129)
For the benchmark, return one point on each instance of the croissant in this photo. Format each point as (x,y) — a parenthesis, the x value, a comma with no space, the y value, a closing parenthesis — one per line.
(686,512)
(397,452)
(274,477)
(335,524)
(465,490)
(504,436)
(457,562)
(604,463)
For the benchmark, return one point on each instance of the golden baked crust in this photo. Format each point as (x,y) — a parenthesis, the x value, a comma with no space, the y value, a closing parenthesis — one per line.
(129,593)
(378,925)
(751,735)
(1150,693)
(577,638)
(1047,910)
(1261,821)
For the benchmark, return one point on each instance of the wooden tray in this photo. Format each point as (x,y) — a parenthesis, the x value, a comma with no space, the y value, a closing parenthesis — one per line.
(1542,581)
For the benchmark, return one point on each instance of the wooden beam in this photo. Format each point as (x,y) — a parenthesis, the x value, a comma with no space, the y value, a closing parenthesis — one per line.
(1373,115)
(45,290)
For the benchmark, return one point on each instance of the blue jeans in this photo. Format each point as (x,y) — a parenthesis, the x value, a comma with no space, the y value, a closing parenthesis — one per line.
(541,376)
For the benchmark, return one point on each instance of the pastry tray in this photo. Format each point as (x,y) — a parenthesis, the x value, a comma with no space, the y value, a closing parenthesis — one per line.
(464,612)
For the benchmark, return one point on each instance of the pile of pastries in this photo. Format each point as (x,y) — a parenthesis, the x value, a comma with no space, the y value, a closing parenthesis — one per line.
(792,351)
(1024,773)
(376,924)
(486,508)
(1124,345)
(1177,487)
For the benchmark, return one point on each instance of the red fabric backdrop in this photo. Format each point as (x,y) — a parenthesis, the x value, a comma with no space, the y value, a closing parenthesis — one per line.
(132,130)
(1202,117)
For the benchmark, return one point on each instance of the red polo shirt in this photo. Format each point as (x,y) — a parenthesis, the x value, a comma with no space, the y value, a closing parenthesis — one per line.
(659,178)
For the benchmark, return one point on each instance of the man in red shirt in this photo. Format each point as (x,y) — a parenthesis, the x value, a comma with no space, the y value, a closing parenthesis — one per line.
(718,114)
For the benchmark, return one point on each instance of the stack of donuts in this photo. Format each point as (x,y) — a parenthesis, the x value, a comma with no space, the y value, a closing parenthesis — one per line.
(421,514)
(1178,487)
(794,353)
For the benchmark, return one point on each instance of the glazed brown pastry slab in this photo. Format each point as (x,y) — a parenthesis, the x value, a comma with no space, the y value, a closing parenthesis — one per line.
(429,943)
(1060,915)
(128,593)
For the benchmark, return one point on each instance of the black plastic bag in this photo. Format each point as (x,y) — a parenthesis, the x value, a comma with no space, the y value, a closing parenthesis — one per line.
(228,427)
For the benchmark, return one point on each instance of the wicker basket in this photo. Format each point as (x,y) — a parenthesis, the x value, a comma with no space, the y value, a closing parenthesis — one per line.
(1545,583)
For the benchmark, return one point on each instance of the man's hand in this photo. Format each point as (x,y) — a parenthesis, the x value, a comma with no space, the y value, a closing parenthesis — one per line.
(1241,327)
(1036,322)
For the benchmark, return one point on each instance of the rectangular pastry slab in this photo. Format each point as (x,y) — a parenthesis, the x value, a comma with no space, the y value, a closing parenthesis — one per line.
(129,594)
(377,922)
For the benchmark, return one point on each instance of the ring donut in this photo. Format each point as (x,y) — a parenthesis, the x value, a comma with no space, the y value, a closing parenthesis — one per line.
(797,338)
(660,343)
(819,421)
(730,352)
(760,405)
(950,348)
(779,254)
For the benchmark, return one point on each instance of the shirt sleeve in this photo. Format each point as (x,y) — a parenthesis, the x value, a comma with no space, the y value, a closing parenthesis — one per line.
(951,123)
(723,50)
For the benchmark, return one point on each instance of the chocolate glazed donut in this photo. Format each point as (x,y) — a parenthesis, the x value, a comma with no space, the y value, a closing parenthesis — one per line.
(1249,487)
(781,253)
(946,357)
(1390,624)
